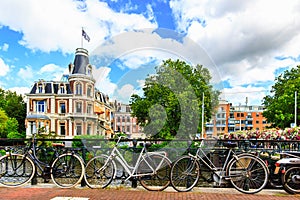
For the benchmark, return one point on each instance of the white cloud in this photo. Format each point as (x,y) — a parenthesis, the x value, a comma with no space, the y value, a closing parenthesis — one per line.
(4,47)
(4,68)
(52,72)
(26,73)
(103,82)
(20,90)
(56,25)
(243,38)
(125,92)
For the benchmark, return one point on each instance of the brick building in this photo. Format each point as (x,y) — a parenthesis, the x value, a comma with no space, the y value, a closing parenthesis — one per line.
(230,118)
(70,107)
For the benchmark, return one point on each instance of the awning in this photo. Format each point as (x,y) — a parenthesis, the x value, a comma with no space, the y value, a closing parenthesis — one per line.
(37,117)
(98,109)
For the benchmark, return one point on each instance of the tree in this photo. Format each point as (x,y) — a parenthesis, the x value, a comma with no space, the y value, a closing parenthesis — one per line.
(172,101)
(3,120)
(280,104)
(14,107)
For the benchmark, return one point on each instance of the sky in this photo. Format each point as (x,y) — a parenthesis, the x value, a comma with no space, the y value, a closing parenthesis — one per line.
(244,44)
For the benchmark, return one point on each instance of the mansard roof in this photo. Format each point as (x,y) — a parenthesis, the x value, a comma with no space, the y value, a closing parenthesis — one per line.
(81,61)
(50,87)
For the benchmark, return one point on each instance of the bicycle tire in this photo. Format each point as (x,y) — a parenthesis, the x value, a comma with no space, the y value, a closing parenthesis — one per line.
(185,173)
(96,176)
(247,173)
(291,180)
(16,170)
(160,179)
(67,170)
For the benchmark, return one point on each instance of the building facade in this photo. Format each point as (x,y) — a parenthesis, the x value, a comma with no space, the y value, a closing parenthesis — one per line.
(70,107)
(124,122)
(230,118)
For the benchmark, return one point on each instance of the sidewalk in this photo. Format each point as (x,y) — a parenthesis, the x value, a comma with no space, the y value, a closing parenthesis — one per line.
(51,192)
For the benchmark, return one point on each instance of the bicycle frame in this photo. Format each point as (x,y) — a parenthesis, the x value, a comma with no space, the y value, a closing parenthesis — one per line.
(219,172)
(132,170)
(31,154)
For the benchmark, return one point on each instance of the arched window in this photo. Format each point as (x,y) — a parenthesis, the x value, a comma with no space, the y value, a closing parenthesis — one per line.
(89,91)
(78,89)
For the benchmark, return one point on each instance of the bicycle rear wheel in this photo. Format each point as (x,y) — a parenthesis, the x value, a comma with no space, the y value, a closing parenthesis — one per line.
(158,179)
(99,172)
(67,170)
(185,173)
(291,180)
(248,174)
(16,170)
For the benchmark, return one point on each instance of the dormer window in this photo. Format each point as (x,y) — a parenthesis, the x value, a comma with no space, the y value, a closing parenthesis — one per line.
(40,88)
(89,70)
(62,89)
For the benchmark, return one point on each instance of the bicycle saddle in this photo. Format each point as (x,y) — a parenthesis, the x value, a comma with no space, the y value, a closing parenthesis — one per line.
(230,144)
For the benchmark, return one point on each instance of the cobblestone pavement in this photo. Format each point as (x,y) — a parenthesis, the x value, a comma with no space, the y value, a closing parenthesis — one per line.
(50,192)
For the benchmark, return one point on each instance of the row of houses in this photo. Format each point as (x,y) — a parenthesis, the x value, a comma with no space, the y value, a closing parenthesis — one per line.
(74,106)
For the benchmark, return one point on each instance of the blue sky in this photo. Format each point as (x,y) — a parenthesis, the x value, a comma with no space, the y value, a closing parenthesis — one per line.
(245,44)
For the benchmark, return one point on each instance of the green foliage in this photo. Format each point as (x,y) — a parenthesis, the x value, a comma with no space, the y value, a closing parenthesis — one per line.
(172,100)
(3,121)
(14,106)
(88,140)
(280,104)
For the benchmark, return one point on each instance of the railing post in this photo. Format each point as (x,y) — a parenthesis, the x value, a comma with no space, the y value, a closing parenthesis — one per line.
(134,158)
(34,179)
(84,151)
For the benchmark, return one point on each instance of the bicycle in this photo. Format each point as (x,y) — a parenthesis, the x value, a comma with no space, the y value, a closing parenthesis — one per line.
(288,168)
(150,168)
(246,172)
(16,169)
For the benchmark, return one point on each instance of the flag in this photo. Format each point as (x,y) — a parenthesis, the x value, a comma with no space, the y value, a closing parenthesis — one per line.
(85,35)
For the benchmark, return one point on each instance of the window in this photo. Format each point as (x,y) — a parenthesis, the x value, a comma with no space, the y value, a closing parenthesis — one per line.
(89,71)
(89,109)
(118,119)
(62,108)
(62,89)
(62,129)
(32,126)
(78,129)
(123,119)
(40,88)
(89,129)
(78,89)
(41,106)
(128,129)
(128,119)
(78,107)
(89,91)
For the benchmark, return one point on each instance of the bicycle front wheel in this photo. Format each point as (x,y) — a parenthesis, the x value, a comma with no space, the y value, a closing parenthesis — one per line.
(16,170)
(99,172)
(185,173)
(247,173)
(291,180)
(154,172)
(67,170)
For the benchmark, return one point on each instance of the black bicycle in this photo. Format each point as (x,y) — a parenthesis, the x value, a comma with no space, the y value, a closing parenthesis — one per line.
(16,169)
(246,172)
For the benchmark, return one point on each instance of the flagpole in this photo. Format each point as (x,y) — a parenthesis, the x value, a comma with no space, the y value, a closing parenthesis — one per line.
(81,37)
